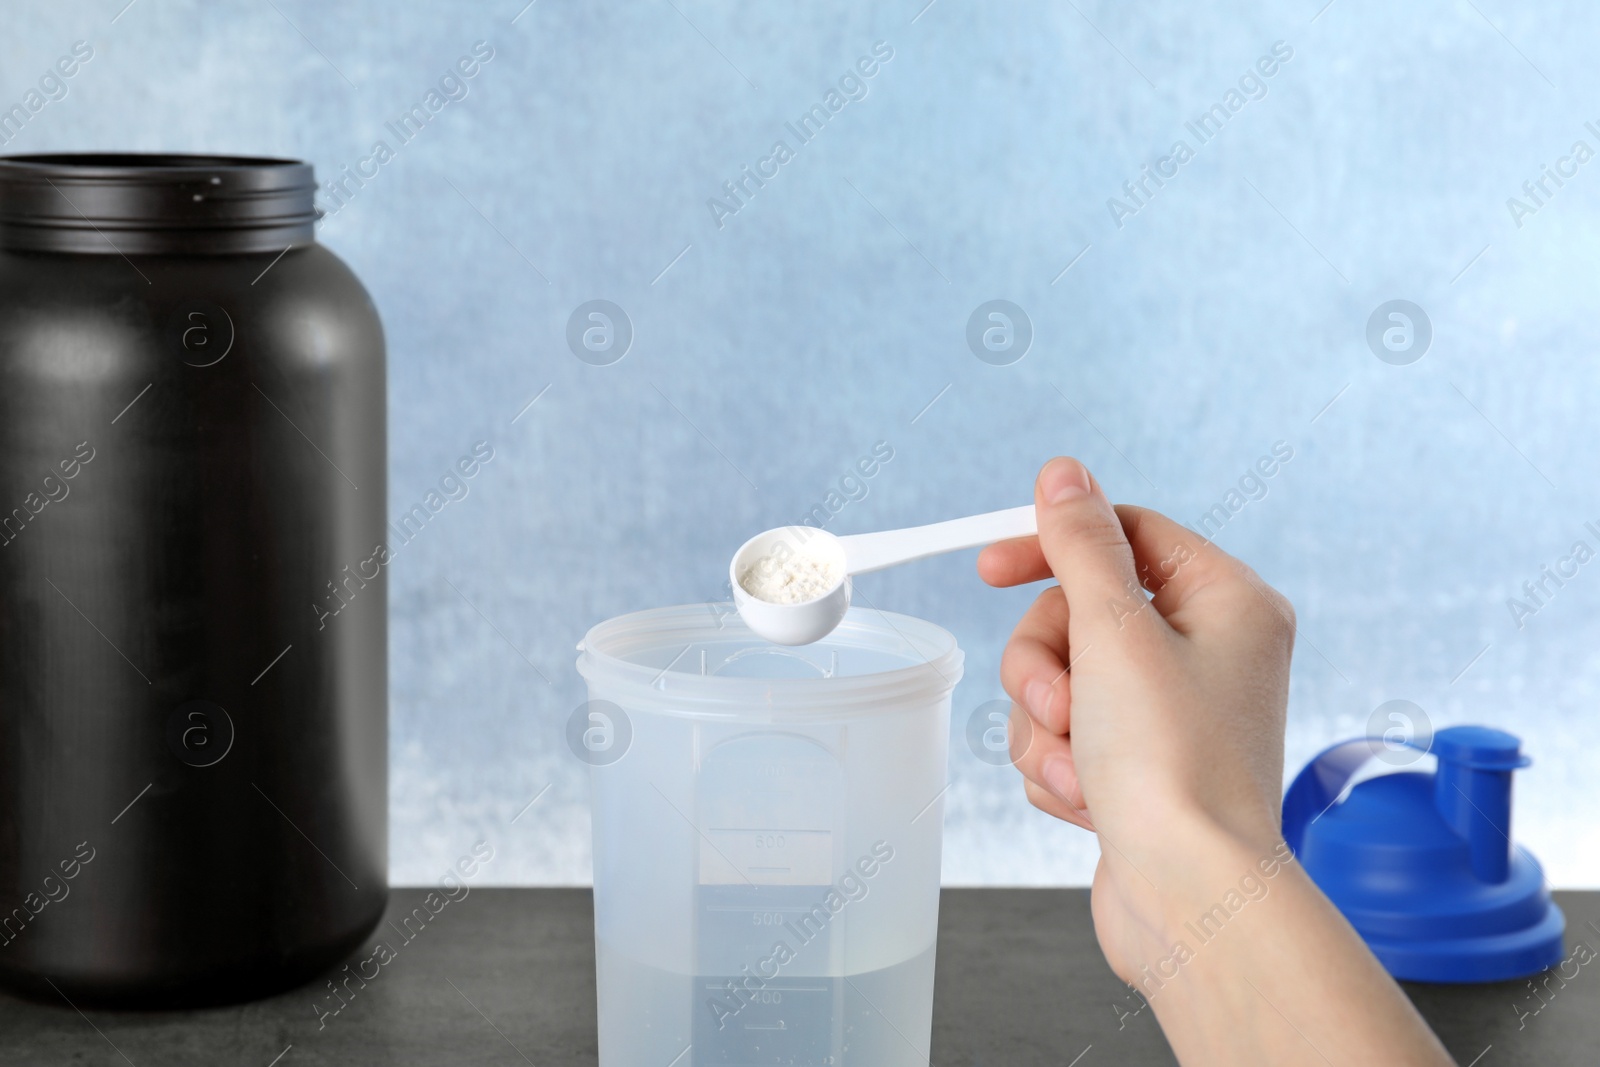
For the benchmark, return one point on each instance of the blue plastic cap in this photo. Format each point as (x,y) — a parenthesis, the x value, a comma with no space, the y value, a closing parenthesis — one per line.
(1422,863)
(1479,746)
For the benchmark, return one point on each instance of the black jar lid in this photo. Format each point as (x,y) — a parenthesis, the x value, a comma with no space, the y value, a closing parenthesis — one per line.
(139,204)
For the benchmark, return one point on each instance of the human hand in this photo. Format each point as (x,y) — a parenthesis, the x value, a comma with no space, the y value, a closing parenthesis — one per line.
(1166,735)
(1158,723)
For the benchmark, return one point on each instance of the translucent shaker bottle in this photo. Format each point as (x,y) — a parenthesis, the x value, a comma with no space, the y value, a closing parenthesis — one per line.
(767,827)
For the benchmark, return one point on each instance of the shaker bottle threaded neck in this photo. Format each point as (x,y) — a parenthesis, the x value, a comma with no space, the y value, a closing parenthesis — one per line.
(138,204)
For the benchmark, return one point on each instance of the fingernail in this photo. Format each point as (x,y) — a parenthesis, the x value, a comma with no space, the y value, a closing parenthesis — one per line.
(1057,774)
(1037,694)
(1063,479)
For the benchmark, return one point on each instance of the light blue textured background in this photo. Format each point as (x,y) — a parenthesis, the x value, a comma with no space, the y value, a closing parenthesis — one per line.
(825,316)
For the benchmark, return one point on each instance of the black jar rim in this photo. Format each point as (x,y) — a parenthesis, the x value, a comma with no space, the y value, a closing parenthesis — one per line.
(155,203)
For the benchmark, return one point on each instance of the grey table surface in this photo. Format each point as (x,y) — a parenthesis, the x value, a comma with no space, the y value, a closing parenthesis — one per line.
(506,976)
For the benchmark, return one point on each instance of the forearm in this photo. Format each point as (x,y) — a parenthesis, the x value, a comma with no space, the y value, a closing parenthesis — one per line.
(1264,970)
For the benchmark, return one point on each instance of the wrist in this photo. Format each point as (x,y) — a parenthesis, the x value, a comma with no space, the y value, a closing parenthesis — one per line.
(1221,877)
(1206,875)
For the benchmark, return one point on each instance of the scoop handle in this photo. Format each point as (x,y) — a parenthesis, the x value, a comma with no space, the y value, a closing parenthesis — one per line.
(864,553)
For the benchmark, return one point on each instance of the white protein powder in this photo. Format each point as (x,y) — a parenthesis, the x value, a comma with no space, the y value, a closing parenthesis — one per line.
(794,579)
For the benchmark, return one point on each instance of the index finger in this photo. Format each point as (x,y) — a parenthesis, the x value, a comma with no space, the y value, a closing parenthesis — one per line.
(1176,564)
(1017,561)
(1172,561)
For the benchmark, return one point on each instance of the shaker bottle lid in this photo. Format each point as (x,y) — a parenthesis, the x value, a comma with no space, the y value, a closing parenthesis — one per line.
(1422,863)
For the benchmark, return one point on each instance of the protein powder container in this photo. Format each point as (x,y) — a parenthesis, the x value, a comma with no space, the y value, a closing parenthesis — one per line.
(193,693)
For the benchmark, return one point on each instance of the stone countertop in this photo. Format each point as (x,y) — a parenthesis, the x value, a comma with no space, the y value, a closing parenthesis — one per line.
(506,976)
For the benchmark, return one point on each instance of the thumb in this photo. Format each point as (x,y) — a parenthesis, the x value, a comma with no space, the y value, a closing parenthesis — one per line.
(1083,541)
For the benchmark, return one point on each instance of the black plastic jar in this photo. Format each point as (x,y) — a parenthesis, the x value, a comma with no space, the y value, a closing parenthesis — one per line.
(193,682)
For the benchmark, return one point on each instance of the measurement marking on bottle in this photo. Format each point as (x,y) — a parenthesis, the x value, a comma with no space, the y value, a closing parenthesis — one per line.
(770,856)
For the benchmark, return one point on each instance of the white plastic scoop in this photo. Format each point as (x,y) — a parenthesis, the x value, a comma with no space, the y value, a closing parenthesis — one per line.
(845,557)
